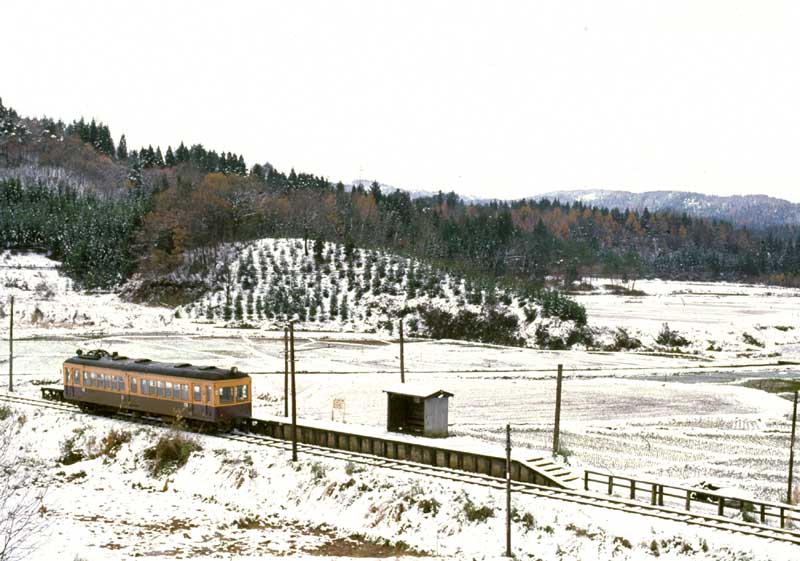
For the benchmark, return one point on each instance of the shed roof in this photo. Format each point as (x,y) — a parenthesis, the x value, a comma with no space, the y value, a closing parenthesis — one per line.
(418,390)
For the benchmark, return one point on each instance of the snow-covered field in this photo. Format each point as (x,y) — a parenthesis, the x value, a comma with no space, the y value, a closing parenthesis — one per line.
(626,412)
(714,317)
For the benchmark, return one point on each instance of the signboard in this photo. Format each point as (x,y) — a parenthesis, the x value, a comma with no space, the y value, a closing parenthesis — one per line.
(338,406)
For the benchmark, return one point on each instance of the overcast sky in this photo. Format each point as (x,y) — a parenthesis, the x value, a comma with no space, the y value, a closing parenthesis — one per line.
(494,99)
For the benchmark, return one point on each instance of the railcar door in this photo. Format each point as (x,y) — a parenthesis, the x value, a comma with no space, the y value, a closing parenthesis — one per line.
(209,405)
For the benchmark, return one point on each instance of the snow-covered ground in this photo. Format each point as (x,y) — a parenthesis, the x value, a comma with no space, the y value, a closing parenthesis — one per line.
(627,412)
(235,501)
(715,317)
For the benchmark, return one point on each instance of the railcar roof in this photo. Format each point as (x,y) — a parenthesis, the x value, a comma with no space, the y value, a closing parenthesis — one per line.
(147,366)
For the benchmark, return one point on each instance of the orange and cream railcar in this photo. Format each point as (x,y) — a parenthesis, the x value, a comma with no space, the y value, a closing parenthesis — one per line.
(97,381)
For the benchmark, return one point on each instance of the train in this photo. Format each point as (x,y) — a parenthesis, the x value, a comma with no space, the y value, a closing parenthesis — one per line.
(206,396)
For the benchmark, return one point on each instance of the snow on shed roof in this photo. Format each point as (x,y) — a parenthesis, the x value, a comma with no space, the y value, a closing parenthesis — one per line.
(417,390)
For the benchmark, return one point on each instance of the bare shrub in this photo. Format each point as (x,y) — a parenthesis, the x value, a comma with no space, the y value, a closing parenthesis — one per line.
(113,441)
(170,453)
(750,340)
(670,338)
(21,502)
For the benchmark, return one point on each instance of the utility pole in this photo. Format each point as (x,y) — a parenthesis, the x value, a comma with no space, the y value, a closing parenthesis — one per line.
(557,428)
(402,358)
(285,372)
(791,449)
(508,490)
(294,395)
(11,348)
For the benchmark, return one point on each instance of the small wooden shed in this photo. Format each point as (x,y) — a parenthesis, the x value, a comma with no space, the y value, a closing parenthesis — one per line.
(417,409)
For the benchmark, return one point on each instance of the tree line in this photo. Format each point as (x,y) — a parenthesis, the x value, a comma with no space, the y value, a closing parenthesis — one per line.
(197,199)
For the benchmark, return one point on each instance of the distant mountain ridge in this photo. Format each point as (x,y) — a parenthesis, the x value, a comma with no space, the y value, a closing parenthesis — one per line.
(753,211)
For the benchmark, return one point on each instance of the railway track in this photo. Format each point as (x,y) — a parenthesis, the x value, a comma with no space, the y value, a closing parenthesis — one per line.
(36,402)
(565,495)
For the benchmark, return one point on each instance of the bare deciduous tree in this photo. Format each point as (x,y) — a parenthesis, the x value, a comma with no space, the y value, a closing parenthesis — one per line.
(21,498)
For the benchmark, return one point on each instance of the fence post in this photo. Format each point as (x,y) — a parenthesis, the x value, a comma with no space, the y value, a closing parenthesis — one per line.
(791,449)
(585,480)
(402,356)
(610,484)
(633,489)
(294,395)
(557,428)
(508,490)
(285,372)
(11,348)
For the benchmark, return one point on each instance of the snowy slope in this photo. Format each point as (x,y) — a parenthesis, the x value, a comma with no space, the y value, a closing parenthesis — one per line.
(246,502)
(755,211)
(265,282)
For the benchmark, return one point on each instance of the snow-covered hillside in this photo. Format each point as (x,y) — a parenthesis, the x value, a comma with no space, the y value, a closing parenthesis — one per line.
(265,282)
(47,300)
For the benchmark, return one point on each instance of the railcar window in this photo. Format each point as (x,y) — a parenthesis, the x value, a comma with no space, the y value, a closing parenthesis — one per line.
(108,381)
(92,378)
(133,385)
(122,383)
(241,393)
(114,383)
(208,394)
(169,390)
(197,393)
(225,395)
(85,378)
(76,377)
(160,388)
(152,387)
(185,392)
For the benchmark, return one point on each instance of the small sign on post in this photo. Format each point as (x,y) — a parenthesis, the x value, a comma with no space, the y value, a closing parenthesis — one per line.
(338,405)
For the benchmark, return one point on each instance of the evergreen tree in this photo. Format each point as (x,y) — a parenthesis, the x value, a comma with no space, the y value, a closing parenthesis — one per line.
(333,305)
(122,148)
(238,310)
(319,246)
(169,159)
(158,158)
(135,173)
(182,154)
(227,310)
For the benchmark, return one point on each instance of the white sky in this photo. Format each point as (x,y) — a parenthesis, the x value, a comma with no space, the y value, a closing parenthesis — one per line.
(495,98)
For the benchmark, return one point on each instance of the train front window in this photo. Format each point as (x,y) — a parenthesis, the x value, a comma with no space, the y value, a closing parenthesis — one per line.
(241,393)
(226,395)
